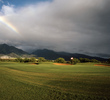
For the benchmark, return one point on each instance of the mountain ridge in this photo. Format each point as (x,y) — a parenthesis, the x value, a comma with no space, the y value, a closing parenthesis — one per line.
(6,49)
(46,53)
(52,55)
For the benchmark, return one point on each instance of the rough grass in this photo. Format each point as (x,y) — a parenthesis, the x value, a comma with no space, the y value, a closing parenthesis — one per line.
(47,81)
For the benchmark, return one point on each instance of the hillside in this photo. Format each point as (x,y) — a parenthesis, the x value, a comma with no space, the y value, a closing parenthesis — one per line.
(48,54)
(52,55)
(6,49)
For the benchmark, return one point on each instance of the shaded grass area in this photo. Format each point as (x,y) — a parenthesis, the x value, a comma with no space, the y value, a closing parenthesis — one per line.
(52,82)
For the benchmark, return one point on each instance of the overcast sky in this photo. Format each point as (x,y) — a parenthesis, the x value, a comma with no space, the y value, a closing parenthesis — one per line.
(80,26)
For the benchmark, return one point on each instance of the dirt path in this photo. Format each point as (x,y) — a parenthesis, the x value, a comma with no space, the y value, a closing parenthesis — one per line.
(101,65)
(61,64)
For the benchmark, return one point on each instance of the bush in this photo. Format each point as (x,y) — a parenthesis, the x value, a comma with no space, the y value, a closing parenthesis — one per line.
(41,59)
(33,59)
(26,60)
(60,60)
(75,61)
(88,60)
(19,60)
(7,60)
(84,60)
(68,62)
(94,60)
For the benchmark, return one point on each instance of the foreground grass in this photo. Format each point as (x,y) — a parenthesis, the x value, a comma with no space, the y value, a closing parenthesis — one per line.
(54,82)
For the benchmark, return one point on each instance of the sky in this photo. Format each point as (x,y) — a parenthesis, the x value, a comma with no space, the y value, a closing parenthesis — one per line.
(76,26)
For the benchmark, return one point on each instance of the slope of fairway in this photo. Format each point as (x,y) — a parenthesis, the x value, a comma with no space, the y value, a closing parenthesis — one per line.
(47,81)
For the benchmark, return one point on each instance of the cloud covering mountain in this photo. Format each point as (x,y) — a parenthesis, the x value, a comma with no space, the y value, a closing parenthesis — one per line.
(62,25)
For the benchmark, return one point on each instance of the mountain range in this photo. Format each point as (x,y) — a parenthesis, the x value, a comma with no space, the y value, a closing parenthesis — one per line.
(48,54)
(52,55)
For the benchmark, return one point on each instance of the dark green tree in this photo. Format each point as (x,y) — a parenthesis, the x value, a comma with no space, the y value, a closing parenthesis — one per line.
(60,60)
(109,60)
(33,59)
(19,60)
(84,60)
(26,60)
(41,59)
(75,61)
(94,60)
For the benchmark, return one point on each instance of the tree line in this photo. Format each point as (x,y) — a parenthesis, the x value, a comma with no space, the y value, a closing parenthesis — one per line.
(32,59)
(75,60)
(58,60)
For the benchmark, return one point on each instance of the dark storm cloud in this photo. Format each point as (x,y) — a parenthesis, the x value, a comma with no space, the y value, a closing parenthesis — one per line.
(62,25)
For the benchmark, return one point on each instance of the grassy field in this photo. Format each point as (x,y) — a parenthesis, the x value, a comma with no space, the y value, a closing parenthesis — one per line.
(47,81)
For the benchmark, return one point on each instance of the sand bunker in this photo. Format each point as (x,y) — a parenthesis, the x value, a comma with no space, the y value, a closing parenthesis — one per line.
(61,64)
(101,65)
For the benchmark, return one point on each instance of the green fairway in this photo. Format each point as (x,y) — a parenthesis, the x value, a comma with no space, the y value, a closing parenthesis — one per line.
(46,81)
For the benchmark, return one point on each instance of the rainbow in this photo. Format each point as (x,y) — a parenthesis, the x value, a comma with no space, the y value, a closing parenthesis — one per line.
(8,24)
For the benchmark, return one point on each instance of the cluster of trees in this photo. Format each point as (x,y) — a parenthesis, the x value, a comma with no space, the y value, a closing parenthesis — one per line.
(58,60)
(62,60)
(75,60)
(25,60)
(32,59)
(108,61)
(7,60)
(42,59)
(88,60)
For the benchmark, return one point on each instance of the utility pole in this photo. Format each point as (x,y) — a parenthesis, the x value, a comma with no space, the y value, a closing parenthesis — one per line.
(71,60)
